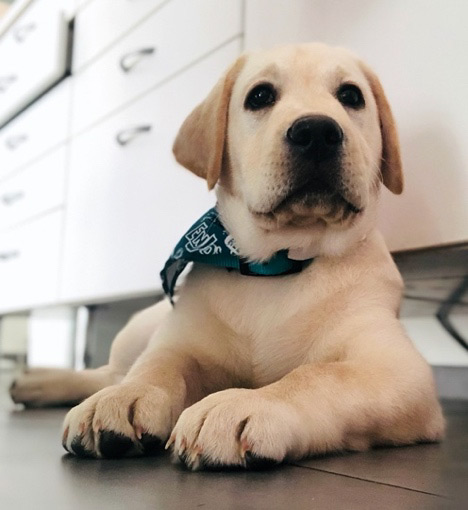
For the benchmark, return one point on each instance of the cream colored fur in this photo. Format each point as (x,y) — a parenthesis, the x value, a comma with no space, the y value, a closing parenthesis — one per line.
(272,368)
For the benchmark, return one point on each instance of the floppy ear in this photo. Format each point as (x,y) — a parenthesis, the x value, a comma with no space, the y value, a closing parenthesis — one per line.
(391,167)
(200,143)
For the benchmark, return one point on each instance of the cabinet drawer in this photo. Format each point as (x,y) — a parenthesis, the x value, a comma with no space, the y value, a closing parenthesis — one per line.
(128,204)
(166,42)
(29,263)
(33,56)
(81,3)
(41,127)
(101,22)
(34,190)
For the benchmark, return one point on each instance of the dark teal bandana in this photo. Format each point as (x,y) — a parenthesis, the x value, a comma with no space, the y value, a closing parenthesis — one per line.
(208,242)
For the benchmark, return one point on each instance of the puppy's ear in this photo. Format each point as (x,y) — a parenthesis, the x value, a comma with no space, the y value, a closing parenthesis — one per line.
(391,167)
(200,143)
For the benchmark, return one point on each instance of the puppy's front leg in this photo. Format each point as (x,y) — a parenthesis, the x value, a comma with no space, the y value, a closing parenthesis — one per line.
(382,394)
(136,416)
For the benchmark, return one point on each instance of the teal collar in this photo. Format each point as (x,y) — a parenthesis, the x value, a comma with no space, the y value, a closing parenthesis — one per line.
(208,242)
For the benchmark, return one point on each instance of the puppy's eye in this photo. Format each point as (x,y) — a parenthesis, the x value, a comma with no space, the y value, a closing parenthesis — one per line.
(350,96)
(260,96)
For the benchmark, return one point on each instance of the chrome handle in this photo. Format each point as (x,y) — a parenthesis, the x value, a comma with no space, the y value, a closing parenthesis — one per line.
(6,81)
(127,135)
(11,198)
(14,142)
(130,60)
(6,256)
(21,33)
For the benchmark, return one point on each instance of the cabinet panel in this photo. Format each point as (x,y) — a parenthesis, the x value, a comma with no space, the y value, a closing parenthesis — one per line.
(33,56)
(166,42)
(29,263)
(34,190)
(101,22)
(129,204)
(39,128)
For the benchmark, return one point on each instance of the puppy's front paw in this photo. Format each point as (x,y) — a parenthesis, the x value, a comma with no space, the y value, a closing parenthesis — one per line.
(37,387)
(237,427)
(123,420)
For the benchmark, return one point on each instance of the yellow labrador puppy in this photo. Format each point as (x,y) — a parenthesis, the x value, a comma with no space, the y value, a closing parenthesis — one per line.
(248,371)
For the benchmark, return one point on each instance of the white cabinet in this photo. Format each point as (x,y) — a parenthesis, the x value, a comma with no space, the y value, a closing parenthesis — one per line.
(418,48)
(91,199)
(33,56)
(166,42)
(30,263)
(38,188)
(101,22)
(128,204)
(38,129)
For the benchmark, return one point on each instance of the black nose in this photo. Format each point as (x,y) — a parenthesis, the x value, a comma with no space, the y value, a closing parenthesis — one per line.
(317,136)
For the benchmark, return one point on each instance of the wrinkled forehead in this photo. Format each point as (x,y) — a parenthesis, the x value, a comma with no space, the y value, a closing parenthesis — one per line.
(303,66)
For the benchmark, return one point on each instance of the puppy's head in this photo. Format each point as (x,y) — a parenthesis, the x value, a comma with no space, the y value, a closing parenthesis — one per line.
(298,139)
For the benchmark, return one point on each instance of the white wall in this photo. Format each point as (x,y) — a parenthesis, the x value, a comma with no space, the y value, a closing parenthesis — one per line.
(419,49)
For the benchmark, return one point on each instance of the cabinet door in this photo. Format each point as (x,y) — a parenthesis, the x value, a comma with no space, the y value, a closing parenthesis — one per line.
(99,23)
(418,48)
(33,56)
(38,129)
(154,51)
(38,188)
(29,263)
(129,204)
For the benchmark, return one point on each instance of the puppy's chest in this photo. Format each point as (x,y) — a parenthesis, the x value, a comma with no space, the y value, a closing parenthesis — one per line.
(274,321)
(275,353)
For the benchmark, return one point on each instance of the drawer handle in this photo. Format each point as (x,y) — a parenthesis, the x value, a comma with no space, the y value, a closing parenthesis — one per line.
(7,256)
(130,60)
(14,142)
(6,81)
(21,33)
(127,135)
(11,198)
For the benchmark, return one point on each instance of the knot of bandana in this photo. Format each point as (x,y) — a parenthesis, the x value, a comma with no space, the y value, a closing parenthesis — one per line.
(208,242)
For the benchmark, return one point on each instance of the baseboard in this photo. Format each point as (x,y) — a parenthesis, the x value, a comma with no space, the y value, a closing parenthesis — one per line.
(451,382)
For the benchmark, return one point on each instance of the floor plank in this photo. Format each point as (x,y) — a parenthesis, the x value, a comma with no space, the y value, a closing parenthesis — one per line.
(431,468)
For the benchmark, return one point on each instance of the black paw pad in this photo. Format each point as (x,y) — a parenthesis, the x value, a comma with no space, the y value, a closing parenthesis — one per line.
(255,462)
(152,445)
(113,445)
(78,449)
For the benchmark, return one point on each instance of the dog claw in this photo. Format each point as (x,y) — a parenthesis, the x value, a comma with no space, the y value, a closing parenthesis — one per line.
(65,437)
(244,447)
(170,442)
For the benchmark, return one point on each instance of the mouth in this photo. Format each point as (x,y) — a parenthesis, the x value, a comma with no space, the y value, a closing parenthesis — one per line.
(308,196)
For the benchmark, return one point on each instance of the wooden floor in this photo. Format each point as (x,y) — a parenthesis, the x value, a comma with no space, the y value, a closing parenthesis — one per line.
(35,474)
